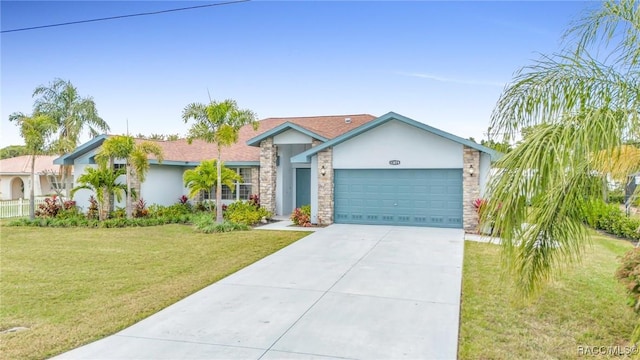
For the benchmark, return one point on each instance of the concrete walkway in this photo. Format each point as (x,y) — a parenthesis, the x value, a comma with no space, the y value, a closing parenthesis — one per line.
(343,292)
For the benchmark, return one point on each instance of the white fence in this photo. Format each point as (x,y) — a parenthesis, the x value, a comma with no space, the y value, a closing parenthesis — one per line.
(16,208)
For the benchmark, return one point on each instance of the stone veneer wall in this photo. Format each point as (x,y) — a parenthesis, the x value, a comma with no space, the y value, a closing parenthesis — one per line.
(470,188)
(267,181)
(325,187)
(255,180)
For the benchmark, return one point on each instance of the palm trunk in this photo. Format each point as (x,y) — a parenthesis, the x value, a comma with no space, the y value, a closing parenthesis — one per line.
(129,209)
(32,200)
(65,170)
(219,218)
(103,213)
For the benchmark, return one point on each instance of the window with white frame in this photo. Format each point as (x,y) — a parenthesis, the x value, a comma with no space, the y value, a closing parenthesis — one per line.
(242,189)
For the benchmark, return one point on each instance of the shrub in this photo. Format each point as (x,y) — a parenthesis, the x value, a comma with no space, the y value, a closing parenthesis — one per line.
(81,221)
(174,210)
(255,200)
(302,216)
(118,213)
(245,212)
(52,207)
(93,211)
(207,224)
(616,196)
(140,209)
(629,275)
(609,218)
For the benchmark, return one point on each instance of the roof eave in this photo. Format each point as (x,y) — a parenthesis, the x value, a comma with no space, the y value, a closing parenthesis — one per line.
(255,141)
(305,156)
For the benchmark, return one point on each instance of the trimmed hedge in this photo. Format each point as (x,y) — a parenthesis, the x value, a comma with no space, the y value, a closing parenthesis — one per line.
(109,223)
(609,218)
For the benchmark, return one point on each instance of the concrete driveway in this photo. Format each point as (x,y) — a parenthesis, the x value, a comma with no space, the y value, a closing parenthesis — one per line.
(346,292)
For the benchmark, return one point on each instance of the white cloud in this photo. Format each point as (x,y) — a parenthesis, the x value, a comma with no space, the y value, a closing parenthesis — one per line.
(455,81)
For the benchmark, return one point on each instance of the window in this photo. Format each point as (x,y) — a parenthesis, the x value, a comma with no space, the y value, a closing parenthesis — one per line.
(242,190)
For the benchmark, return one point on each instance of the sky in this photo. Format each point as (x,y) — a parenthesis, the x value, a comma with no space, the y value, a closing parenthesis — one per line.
(441,63)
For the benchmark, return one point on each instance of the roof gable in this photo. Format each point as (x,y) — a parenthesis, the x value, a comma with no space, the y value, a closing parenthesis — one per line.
(282,128)
(305,157)
(68,159)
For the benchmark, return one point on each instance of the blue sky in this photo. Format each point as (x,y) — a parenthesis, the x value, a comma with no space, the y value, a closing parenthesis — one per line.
(441,63)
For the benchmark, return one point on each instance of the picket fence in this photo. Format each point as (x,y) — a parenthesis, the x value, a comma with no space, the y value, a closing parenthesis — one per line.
(16,208)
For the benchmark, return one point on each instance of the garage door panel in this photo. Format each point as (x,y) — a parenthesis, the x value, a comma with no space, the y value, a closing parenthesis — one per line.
(420,197)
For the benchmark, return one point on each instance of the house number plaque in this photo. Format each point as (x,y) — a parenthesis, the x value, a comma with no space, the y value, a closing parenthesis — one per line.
(394,162)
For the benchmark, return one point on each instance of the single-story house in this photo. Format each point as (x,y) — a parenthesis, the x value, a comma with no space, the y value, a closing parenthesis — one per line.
(15,175)
(350,169)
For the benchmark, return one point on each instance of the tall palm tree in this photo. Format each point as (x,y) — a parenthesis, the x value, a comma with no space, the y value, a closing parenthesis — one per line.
(205,176)
(103,181)
(136,156)
(73,113)
(35,130)
(217,123)
(578,105)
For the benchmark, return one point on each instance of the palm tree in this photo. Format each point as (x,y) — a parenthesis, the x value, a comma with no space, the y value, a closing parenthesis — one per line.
(136,158)
(579,109)
(205,176)
(35,130)
(73,113)
(103,181)
(217,123)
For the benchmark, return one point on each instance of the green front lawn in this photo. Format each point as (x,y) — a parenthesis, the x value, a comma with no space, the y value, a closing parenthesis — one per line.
(72,286)
(586,306)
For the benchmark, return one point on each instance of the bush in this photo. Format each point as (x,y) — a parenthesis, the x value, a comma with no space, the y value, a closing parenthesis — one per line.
(109,223)
(52,207)
(616,196)
(207,224)
(245,212)
(118,213)
(629,275)
(609,218)
(140,209)
(302,216)
(93,212)
(175,210)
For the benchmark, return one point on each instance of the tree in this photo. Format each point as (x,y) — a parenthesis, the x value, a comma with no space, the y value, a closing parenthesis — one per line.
(103,181)
(13,151)
(136,156)
(73,114)
(576,106)
(217,123)
(205,177)
(35,130)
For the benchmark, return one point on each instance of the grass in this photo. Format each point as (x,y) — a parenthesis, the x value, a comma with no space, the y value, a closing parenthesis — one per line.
(585,306)
(73,286)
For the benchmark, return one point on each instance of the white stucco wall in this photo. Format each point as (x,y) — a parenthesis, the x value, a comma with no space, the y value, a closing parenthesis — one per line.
(81,197)
(291,137)
(415,149)
(163,185)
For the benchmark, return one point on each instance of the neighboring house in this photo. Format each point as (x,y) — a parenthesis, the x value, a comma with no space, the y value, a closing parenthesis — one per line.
(15,174)
(350,169)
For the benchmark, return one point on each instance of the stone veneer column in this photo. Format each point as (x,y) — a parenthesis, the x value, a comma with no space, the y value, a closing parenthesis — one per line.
(255,181)
(325,187)
(268,155)
(470,188)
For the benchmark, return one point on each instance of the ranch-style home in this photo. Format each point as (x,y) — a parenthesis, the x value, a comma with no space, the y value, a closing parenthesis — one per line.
(351,169)
(15,177)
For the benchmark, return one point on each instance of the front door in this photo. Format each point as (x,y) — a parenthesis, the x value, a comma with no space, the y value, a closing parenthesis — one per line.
(303,187)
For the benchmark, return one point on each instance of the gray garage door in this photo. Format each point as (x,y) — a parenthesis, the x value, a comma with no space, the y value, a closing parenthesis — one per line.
(416,197)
